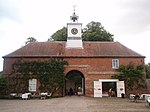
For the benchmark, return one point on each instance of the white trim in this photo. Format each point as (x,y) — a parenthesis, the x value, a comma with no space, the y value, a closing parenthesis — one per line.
(108,80)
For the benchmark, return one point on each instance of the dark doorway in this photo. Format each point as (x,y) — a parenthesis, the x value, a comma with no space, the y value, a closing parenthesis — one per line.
(106,87)
(75,83)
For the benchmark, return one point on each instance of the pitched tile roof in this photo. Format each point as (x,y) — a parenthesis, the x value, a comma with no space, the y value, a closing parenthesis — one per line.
(58,49)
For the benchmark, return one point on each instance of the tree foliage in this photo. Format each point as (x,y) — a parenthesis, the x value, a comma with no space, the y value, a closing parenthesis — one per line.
(133,76)
(60,35)
(30,39)
(49,73)
(94,31)
(147,69)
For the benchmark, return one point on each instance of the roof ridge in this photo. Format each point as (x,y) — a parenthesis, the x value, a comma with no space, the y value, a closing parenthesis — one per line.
(49,42)
(99,42)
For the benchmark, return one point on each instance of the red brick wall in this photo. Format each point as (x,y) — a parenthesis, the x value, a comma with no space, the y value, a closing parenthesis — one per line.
(102,64)
(92,68)
(87,64)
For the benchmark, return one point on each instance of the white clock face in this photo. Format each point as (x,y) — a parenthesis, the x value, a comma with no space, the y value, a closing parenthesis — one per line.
(74,31)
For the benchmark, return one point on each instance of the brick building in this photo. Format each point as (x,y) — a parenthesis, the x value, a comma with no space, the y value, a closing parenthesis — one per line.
(93,61)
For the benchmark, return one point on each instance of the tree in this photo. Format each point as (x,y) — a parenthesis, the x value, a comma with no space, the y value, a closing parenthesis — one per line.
(147,69)
(30,39)
(94,31)
(60,35)
(133,76)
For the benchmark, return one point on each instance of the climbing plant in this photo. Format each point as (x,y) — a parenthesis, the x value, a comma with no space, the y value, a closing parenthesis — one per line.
(133,76)
(3,85)
(49,73)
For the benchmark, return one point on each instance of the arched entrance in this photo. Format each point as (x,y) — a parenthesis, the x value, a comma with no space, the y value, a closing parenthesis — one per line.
(75,83)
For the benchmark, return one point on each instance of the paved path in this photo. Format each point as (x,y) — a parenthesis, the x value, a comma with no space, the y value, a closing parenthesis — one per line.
(73,104)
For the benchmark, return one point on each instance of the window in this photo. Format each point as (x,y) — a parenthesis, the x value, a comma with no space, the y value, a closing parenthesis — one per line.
(32,85)
(115,63)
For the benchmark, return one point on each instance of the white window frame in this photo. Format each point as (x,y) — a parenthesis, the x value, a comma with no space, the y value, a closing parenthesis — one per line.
(32,85)
(115,63)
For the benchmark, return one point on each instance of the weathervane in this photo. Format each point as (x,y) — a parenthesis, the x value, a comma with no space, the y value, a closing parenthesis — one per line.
(74,17)
(74,10)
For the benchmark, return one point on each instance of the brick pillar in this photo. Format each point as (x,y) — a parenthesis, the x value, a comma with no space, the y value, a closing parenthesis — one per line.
(89,91)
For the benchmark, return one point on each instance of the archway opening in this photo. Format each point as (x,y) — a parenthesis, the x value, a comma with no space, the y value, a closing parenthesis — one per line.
(75,83)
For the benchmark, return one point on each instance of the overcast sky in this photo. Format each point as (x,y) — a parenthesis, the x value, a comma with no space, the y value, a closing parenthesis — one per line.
(128,20)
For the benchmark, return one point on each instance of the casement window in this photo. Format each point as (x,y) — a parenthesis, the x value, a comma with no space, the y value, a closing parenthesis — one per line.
(32,85)
(115,63)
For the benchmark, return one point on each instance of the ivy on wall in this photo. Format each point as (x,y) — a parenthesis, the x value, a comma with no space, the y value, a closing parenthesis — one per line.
(49,73)
(3,85)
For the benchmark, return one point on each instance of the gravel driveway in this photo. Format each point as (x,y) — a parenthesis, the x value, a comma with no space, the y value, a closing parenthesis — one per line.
(73,104)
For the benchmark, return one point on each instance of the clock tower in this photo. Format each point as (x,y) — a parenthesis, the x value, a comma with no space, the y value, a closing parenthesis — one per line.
(74,39)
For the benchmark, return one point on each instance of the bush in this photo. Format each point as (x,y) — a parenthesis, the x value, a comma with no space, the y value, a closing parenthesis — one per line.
(4,97)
